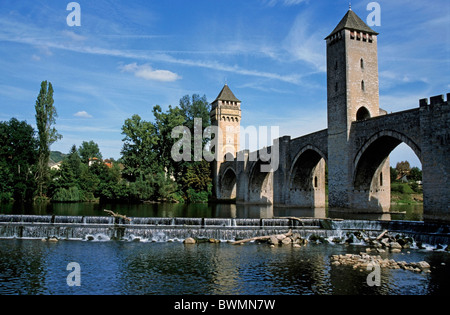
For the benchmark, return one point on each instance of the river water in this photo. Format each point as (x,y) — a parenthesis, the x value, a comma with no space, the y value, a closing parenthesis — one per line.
(164,210)
(173,268)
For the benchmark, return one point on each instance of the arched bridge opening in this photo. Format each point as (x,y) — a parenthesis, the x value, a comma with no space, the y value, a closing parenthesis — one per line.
(307,179)
(228,185)
(260,188)
(371,179)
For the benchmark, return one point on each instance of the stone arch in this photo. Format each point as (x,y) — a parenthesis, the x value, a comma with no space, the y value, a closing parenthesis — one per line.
(260,188)
(228,184)
(371,181)
(307,178)
(395,137)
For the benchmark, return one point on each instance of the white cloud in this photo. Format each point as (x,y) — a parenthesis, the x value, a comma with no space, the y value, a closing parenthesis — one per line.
(73,36)
(287,3)
(83,114)
(304,44)
(146,72)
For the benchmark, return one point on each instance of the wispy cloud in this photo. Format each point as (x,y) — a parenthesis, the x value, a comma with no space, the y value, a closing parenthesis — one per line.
(82,114)
(48,42)
(272,3)
(304,43)
(73,36)
(146,72)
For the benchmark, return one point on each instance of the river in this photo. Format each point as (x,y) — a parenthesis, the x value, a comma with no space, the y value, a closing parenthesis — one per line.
(173,268)
(169,210)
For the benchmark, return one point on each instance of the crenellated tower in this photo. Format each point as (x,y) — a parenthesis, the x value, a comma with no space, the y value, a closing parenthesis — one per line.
(353,95)
(226,114)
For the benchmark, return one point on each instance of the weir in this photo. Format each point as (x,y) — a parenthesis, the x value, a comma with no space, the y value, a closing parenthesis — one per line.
(227,229)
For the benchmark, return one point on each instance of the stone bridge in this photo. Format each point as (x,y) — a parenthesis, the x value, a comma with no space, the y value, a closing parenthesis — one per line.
(299,180)
(354,148)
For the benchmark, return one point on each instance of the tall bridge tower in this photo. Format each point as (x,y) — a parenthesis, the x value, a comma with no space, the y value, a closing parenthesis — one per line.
(353,95)
(226,115)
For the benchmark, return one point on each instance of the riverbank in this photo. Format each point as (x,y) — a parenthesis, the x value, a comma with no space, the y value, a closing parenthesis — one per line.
(398,198)
(403,193)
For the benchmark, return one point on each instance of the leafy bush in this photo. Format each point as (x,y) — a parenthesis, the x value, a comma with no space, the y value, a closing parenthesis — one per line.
(72,194)
(196,197)
(401,188)
(6,197)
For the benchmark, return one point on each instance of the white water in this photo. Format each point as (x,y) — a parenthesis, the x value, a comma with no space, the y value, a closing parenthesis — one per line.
(177,229)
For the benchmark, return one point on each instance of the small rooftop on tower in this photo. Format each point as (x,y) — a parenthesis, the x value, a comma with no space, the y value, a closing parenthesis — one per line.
(351,21)
(226,95)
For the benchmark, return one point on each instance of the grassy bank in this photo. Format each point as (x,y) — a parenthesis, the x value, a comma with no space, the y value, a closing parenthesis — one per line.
(406,193)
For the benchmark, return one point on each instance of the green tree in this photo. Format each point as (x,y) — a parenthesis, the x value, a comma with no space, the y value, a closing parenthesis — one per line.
(89,150)
(197,176)
(195,107)
(47,134)
(139,155)
(147,152)
(394,174)
(18,155)
(165,122)
(415,174)
(403,168)
(66,182)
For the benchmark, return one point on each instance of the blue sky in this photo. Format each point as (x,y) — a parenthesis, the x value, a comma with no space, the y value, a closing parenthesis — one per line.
(128,56)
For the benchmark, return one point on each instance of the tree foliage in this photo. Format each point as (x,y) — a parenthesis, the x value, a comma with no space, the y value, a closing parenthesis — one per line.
(146,170)
(403,168)
(47,134)
(18,156)
(147,149)
(89,150)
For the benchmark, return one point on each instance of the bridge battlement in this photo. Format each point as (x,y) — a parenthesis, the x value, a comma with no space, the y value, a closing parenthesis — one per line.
(434,100)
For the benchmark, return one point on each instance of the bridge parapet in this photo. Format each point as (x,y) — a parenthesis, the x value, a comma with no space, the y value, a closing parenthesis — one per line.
(434,100)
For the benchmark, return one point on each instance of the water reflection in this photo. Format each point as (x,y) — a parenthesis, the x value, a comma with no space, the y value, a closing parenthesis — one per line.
(35,267)
(165,210)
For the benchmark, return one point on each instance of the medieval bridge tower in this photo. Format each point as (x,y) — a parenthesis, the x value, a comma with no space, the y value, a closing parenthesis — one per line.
(356,145)
(353,95)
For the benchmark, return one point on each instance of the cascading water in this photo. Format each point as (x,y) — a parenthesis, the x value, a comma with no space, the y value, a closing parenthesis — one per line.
(165,229)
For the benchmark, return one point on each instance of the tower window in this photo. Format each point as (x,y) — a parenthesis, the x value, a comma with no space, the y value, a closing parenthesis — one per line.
(362,63)
(336,65)
(336,87)
(381,179)
(363,87)
(316,184)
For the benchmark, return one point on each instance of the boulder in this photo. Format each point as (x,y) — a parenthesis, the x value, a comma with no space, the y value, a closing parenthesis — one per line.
(395,245)
(286,241)
(423,265)
(295,237)
(385,242)
(189,240)
(274,240)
